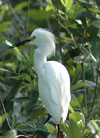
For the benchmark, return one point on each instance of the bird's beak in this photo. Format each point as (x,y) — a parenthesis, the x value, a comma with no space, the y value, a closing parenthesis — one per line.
(24,42)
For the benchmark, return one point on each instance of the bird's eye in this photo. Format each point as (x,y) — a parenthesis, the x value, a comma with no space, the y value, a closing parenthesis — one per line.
(32,38)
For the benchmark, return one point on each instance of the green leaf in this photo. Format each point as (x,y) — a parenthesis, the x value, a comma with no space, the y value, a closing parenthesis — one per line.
(96,23)
(65,127)
(68,4)
(2,119)
(30,127)
(49,2)
(74,131)
(98,3)
(19,53)
(96,47)
(27,127)
(14,67)
(38,14)
(3,48)
(2,39)
(77,117)
(49,8)
(3,9)
(4,70)
(31,57)
(74,11)
(38,111)
(34,96)
(78,72)
(78,85)
(14,120)
(20,6)
(63,3)
(75,102)
(71,109)
(25,76)
(94,127)
(20,99)
(41,127)
(51,129)
(10,134)
(14,90)
(4,26)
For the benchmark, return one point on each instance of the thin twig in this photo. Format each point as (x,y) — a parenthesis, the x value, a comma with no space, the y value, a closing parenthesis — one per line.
(4,110)
(58,21)
(96,90)
(83,77)
(22,136)
(92,69)
(40,1)
(26,20)
(92,113)
(71,35)
(17,19)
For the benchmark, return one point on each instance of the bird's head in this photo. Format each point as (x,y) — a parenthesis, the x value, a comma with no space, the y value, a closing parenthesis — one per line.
(43,39)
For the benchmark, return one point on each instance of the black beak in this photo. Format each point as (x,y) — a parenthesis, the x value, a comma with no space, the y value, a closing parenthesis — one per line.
(23,42)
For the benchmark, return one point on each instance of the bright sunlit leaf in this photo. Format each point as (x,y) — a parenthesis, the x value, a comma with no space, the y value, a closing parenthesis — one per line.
(10,134)
(2,119)
(68,4)
(51,128)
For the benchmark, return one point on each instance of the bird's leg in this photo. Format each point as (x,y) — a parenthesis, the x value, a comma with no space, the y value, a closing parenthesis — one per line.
(48,118)
(58,130)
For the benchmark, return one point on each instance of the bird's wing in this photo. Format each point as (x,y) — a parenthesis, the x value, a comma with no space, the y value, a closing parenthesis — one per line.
(48,85)
(54,87)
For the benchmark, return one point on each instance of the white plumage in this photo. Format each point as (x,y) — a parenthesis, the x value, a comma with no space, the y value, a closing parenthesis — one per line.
(54,80)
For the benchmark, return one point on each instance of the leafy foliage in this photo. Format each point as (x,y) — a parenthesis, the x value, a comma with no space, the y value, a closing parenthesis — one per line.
(76,25)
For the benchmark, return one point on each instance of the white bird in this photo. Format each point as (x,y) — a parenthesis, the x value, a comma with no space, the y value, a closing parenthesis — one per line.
(53,77)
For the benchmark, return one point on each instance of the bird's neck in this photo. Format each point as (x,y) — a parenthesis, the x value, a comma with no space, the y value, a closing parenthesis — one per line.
(39,61)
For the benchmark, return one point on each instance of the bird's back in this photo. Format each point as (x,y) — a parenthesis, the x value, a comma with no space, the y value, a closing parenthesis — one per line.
(54,88)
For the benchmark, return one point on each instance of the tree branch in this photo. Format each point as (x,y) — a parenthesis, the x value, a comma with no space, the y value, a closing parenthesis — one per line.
(20,27)
(4,110)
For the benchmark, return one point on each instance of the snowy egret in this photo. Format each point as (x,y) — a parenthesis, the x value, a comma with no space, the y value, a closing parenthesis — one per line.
(53,77)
